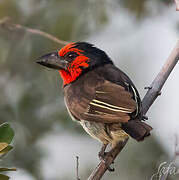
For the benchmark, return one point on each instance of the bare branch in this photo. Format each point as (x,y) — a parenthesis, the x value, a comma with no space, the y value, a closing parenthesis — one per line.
(6,23)
(160,79)
(177,5)
(77,168)
(151,95)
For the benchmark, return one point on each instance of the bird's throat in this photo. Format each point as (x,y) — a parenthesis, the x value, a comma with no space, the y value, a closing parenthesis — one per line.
(70,76)
(74,69)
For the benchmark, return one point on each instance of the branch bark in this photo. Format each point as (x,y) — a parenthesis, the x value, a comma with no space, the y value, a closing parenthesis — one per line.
(77,168)
(160,79)
(149,98)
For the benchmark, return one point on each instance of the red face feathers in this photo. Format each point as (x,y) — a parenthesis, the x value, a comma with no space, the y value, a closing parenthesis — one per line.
(74,59)
(77,61)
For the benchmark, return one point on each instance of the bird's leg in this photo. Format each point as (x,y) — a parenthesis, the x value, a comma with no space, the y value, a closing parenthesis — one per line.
(102,153)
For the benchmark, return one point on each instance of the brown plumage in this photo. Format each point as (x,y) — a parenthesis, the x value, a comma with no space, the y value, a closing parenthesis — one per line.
(115,114)
(97,94)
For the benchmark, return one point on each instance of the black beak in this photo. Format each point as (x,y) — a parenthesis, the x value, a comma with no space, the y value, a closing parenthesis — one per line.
(53,60)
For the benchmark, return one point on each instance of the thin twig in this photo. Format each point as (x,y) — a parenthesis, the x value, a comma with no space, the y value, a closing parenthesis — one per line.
(147,101)
(77,168)
(7,24)
(177,5)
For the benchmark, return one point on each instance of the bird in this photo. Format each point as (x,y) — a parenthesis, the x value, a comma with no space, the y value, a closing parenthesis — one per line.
(98,95)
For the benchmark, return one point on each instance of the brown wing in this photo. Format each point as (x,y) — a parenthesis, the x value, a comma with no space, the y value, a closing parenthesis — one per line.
(111,103)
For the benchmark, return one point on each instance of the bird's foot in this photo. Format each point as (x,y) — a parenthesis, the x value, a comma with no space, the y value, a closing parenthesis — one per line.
(103,155)
(111,169)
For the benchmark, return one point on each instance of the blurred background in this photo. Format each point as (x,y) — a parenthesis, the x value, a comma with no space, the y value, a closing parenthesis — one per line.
(138,35)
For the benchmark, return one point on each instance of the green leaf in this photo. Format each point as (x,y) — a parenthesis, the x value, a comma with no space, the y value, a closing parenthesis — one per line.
(5,151)
(7,169)
(4,177)
(3,145)
(6,133)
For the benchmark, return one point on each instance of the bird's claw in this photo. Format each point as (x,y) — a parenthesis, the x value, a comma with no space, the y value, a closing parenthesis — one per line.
(111,169)
(102,156)
(102,153)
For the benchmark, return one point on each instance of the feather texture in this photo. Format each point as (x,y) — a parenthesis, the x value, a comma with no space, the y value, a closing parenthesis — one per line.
(112,106)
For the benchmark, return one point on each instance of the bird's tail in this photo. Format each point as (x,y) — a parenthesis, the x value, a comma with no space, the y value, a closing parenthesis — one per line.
(137,129)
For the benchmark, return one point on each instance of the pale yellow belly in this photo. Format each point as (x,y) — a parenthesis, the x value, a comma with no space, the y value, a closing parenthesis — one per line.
(98,131)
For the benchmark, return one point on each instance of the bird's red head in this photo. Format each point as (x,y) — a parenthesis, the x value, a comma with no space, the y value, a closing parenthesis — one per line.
(74,59)
(77,62)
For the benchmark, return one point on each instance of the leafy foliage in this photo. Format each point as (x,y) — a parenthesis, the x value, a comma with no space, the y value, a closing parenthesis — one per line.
(6,136)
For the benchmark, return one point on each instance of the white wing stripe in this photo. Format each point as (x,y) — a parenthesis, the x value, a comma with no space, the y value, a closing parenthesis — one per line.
(110,105)
(135,96)
(105,107)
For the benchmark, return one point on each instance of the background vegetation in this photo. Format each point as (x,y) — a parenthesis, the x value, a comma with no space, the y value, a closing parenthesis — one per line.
(31,98)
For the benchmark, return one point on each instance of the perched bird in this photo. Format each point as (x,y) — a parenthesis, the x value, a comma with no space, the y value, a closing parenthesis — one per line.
(97,94)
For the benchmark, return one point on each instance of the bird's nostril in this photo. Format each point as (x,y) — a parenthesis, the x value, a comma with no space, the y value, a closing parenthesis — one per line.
(41,61)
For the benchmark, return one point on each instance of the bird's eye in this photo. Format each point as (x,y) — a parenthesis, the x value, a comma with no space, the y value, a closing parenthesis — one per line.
(71,55)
